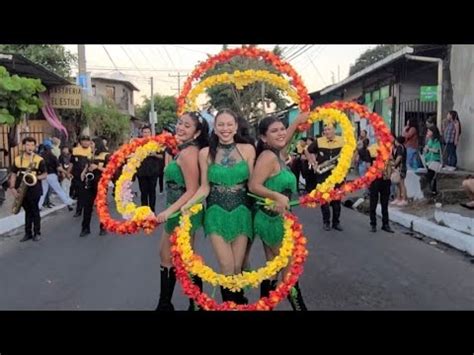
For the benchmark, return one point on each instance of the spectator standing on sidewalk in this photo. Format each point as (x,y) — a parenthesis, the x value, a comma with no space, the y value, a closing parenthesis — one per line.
(451,134)
(399,156)
(410,133)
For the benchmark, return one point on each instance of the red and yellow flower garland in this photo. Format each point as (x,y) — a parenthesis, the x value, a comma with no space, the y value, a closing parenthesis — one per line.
(299,255)
(116,161)
(248,52)
(385,139)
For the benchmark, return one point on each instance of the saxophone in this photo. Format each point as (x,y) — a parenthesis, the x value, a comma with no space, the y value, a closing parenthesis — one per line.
(28,180)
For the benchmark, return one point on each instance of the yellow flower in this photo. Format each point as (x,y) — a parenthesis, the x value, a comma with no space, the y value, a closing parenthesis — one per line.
(130,210)
(240,80)
(196,208)
(194,265)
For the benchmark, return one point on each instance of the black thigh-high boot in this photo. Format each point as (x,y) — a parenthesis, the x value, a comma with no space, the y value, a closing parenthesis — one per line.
(168,281)
(192,305)
(296,299)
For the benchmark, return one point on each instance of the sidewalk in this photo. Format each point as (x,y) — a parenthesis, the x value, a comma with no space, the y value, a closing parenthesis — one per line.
(445,221)
(438,223)
(10,223)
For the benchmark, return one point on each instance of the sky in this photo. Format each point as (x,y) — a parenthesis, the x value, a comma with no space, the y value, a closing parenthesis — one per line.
(318,65)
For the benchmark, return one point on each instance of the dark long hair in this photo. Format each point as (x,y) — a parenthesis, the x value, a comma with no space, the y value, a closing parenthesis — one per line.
(455,117)
(436,134)
(201,125)
(99,146)
(244,131)
(262,131)
(214,140)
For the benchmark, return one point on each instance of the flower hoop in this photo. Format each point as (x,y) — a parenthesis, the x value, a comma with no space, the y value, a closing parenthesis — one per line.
(299,253)
(339,173)
(123,195)
(140,218)
(241,79)
(248,52)
(383,135)
(194,264)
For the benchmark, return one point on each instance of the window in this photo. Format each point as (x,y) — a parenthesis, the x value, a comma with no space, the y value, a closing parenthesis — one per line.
(110,92)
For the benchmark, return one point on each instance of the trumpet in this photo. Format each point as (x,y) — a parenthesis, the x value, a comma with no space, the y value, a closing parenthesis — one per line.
(88,176)
(327,165)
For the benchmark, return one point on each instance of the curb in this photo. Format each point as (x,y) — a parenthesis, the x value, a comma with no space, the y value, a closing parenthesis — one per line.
(10,223)
(458,240)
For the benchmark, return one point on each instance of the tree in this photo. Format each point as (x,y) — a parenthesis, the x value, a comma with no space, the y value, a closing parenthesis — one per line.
(165,107)
(245,102)
(373,55)
(52,56)
(18,96)
(106,120)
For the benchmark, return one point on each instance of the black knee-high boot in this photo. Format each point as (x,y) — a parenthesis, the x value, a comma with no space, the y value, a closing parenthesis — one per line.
(168,281)
(192,305)
(266,286)
(239,297)
(296,299)
(227,295)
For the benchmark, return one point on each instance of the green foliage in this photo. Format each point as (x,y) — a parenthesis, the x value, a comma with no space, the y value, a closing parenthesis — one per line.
(18,96)
(373,55)
(106,120)
(52,56)
(165,107)
(244,102)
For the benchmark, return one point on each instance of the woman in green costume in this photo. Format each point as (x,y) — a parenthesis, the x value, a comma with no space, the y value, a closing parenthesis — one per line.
(182,182)
(272,179)
(225,167)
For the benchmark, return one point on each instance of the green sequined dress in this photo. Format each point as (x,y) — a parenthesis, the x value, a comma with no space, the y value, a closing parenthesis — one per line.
(268,225)
(228,207)
(175,188)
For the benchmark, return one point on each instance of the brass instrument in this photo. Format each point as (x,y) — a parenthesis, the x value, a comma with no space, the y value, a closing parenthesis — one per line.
(28,180)
(327,165)
(89,177)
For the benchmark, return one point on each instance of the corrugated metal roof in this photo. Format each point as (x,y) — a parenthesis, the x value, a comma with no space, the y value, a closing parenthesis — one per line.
(392,57)
(22,66)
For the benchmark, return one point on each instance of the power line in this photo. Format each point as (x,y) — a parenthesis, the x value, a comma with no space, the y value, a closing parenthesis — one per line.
(171,61)
(160,54)
(296,55)
(98,67)
(289,57)
(317,70)
(131,60)
(146,58)
(190,49)
(110,57)
(290,49)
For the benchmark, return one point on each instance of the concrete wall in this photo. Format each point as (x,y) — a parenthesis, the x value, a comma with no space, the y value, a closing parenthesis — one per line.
(100,90)
(410,85)
(462,79)
(353,92)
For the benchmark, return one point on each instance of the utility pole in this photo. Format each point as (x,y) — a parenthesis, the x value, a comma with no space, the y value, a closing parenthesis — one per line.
(338,74)
(82,79)
(179,76)
(152,109)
